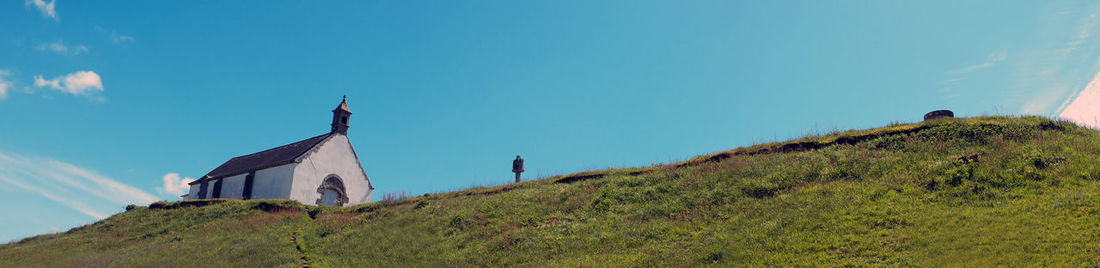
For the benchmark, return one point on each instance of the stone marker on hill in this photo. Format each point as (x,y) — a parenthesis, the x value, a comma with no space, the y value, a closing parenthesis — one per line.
(517,167)
(938,114)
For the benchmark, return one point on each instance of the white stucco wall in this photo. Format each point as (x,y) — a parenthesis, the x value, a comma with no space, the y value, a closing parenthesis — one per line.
(273,182)
(193,193)
(232,187)
(334,157)
(269,183)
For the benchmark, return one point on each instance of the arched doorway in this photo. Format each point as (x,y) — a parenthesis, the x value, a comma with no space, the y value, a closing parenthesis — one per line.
(332,192)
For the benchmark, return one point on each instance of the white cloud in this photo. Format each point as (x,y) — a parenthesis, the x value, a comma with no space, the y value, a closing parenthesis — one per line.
(81,82)
(4,83)
(78,83)
(77,188)
(173,185)
(40,82)
(60,48)
(47,9)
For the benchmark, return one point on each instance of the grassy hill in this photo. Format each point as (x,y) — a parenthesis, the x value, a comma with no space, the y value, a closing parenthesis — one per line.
(968,192)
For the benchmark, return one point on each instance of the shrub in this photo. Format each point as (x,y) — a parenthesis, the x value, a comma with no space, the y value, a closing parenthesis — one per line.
(713,257)
(891,142)
(457,222)
(275,205)
(313,211)
(758,189)
(1035,159)
(421,204)
(960,173)
(185,203)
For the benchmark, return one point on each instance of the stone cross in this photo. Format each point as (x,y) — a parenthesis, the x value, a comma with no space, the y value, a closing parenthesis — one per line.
(517,167)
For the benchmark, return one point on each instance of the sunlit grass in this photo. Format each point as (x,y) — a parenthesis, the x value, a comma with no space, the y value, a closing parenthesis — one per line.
(988,191)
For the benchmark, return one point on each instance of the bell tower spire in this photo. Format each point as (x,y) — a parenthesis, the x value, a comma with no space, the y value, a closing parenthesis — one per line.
(340,117)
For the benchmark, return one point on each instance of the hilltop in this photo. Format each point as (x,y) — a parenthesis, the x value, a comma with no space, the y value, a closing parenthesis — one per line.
(972,191)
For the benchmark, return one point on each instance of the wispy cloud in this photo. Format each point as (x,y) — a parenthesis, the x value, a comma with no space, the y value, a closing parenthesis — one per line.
(78,188)
(47,9)
(5,84)
(1045,77)
(59,47)
(120,39)
(173,185)
(1084,31)
(78,83)
(956,76)
(64,200)
(990,61)
(115,37)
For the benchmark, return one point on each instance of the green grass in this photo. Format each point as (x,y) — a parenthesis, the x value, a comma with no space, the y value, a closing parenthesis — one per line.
(893,196)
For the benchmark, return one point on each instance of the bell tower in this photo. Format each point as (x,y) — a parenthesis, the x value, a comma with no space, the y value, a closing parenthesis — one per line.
(340,117)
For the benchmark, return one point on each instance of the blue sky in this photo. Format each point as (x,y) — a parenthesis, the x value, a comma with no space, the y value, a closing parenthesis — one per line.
(108,103)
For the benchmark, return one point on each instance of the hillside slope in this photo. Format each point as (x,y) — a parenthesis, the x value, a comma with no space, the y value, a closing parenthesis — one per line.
(975,192)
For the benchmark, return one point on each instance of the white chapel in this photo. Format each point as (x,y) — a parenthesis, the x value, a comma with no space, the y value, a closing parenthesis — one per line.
(321,170)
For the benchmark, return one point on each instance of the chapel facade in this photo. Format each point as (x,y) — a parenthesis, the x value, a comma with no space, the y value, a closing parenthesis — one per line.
(322,170)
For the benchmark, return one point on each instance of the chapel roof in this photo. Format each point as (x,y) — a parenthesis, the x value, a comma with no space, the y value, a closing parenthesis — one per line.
(277,156)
